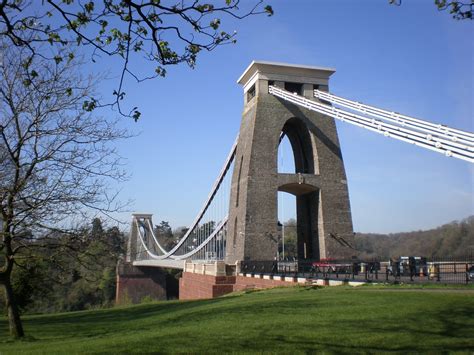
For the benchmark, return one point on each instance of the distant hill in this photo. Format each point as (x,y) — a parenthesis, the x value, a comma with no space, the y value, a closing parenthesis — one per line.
(452,239)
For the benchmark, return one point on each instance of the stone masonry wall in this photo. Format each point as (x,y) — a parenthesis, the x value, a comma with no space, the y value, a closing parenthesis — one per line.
(323,204)
(136,283)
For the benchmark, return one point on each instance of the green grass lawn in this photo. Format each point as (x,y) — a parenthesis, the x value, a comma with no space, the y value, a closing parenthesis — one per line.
(286,320)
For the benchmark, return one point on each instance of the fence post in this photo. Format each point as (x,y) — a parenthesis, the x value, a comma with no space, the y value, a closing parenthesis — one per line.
(467,274)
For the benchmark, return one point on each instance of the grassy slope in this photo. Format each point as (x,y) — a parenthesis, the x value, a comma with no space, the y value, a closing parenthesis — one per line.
(280,320)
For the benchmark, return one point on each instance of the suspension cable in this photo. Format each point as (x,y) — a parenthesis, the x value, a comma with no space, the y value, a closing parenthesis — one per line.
(404,133)
(222,225)
(448,132)
(202,236)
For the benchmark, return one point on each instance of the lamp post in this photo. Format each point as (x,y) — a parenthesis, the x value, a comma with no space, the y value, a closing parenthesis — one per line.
(283,241)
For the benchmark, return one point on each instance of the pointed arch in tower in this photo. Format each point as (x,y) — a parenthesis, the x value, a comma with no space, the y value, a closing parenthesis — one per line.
(296,131)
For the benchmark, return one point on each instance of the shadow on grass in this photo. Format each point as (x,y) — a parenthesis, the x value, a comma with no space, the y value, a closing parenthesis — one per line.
(417,327)
(448,329)
(288,321)
(100,322)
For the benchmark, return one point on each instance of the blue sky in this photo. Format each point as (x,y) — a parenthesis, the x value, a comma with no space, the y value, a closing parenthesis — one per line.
(411,59)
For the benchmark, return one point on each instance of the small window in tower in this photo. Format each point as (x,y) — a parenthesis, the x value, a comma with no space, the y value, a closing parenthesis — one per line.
(294,88)
(251,93)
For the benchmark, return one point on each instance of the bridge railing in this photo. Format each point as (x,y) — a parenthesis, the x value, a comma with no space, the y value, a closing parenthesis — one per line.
(206,242)
(435,270)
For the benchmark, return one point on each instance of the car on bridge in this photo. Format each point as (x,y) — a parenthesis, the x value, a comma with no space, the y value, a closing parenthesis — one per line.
(470,273)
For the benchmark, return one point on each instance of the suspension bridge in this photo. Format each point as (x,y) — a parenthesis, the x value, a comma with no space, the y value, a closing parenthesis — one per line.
(238,220)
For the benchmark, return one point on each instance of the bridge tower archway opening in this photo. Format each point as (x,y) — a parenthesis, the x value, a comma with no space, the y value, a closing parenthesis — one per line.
(286,160)
(287,226)
(297,201)
(295,149)
(297,225)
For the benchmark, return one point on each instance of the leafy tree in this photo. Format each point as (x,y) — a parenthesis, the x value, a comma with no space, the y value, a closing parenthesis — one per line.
(114,239)
(28,283)
(160,31)
(179,232)
(82,277)
(93,267)
(202,232)
(164,235)
(460,10)
(58,157)
(97,230)
(107,284)
(290,239)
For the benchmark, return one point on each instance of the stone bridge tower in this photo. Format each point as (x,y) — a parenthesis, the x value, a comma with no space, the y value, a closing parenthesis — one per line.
(319,183)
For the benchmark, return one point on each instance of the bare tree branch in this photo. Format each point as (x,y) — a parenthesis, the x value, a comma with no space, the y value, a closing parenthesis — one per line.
(162,32)
(57,160)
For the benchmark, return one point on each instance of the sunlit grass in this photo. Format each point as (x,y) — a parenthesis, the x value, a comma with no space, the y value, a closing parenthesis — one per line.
(287,320)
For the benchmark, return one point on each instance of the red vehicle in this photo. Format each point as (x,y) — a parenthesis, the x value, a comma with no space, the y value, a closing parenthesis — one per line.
(331,265)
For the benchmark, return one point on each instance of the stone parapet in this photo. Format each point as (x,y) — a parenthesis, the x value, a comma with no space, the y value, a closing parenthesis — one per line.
(215,268)
(245,283)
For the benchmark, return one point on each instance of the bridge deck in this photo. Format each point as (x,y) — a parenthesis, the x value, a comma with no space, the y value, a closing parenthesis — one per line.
(167,263)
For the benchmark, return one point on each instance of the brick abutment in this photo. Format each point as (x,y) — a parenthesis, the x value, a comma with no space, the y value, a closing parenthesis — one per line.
(198,286)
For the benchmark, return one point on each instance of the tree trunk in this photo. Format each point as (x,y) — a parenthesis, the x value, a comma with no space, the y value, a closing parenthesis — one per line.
(14,321)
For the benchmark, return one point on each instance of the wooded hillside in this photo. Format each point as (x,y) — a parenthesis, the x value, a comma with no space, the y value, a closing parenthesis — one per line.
(452,239)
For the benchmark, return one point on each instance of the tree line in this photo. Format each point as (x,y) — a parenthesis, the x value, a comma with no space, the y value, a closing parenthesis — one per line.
(78,274)
(455,239)
(451,239)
